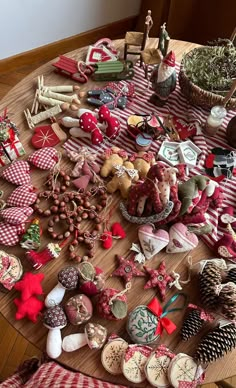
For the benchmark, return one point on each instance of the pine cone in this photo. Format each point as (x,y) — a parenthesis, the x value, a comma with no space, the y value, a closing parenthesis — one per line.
(209,279)
(216,344)
(231,275)
(191,325)
(227,300)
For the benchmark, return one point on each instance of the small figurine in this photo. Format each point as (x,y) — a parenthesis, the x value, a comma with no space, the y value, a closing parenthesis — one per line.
(163,80)
(164,40)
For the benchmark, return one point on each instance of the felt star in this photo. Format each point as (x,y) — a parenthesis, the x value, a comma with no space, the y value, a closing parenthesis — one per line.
(127,269)
(30,285)
(158,278)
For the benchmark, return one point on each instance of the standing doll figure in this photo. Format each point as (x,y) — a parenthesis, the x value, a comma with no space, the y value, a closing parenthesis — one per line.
(163,79)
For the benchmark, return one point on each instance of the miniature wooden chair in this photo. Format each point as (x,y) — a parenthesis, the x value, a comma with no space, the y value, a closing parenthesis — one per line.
(138,39)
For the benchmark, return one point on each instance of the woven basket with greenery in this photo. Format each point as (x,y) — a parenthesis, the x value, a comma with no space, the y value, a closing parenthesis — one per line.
(206,75)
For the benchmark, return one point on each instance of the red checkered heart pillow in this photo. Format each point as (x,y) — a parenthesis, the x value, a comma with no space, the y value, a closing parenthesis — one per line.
(17,173)
(45,158)
(16,215)
(22,196)
(10,234)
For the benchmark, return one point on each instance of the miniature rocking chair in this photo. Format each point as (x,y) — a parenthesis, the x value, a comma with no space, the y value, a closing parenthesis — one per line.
(138,39)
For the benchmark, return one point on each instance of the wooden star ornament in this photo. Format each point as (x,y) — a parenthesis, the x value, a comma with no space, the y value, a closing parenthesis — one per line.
(127,269)
(158,278)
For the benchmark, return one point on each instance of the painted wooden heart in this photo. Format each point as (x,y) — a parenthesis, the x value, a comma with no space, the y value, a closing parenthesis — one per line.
(22,196)
(181,240)
(17,173)
(44,158)
(152,241)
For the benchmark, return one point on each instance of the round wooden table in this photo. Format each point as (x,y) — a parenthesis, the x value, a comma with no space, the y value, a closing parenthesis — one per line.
(86,360)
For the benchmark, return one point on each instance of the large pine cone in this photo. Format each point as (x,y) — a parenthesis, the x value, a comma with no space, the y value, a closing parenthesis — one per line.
(227,299)
(216,344)
(231,275)
(191,325)
(69,277)
(209,279)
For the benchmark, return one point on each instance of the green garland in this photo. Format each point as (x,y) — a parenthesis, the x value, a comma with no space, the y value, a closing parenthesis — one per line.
(211,68)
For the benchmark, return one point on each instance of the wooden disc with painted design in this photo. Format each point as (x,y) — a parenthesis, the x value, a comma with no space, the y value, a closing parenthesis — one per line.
(134,361)
(182,369)
(112,355)
(11,269)
(156,368)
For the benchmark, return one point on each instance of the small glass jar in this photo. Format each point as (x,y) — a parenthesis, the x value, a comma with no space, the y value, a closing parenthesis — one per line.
(215,119)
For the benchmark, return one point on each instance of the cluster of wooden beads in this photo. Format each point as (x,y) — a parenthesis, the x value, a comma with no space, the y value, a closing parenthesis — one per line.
(44,195)
(59,182)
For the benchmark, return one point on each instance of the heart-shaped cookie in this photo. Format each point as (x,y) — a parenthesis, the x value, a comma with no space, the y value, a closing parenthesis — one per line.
(17,173)
(10,234)
(22,196)
(45,158)
(181,240)
(47,136)
(152,241)
(15,215)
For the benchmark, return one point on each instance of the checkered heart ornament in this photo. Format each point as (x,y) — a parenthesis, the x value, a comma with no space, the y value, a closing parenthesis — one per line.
(22,196)
(16,215)
(10,234)
(17,173)
(44,158)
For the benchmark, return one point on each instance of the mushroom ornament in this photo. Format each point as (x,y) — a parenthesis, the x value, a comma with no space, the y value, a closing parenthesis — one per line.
(68,279)
(54,319)
(89,124)
(94,336)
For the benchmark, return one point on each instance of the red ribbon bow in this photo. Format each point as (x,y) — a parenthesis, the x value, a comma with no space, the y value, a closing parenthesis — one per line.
(163,322)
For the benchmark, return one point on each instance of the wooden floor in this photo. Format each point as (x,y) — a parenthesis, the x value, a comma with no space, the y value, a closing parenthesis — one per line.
(14,348)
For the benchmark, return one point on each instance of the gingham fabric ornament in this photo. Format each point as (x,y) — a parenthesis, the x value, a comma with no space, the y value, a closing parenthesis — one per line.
(22,196)
(158,278)
(44,158)
(17,173)
(10,234)
(16,215)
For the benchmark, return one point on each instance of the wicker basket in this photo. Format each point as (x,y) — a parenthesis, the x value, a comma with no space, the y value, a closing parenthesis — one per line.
(198,96)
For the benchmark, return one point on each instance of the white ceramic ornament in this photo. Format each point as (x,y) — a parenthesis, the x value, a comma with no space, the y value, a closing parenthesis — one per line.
(181,240)
(152,241)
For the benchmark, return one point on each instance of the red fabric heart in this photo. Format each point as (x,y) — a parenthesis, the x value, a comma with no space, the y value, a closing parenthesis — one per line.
(16,215)
(10,234)
(45,158)
(117,230)
(22,196)
(17,173)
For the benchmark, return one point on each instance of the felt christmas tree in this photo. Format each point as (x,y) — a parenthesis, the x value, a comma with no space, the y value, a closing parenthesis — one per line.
(31,239)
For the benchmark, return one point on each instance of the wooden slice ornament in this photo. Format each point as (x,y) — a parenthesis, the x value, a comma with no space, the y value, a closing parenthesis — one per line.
(112,355)
(157,365)
(183,369)
(134,361)
(11,270)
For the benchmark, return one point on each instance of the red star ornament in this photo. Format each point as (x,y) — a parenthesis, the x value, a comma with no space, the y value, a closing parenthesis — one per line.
(30,285)
(158,278)
(127,269)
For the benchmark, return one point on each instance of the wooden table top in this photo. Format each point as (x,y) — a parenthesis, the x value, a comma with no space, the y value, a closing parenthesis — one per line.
(86,360)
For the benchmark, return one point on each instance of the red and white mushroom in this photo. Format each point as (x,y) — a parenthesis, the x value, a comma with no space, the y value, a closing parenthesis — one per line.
(89,123)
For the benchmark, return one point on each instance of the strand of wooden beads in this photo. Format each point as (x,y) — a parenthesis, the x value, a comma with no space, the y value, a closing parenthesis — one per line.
(54,184)
(44,195)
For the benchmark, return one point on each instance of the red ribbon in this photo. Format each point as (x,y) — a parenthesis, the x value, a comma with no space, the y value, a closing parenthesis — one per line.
(163,322)
(11,141)
(203,313)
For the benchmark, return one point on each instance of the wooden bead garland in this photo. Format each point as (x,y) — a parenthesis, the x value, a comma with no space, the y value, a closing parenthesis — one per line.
(44,195)
(59,182)
(59,218)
